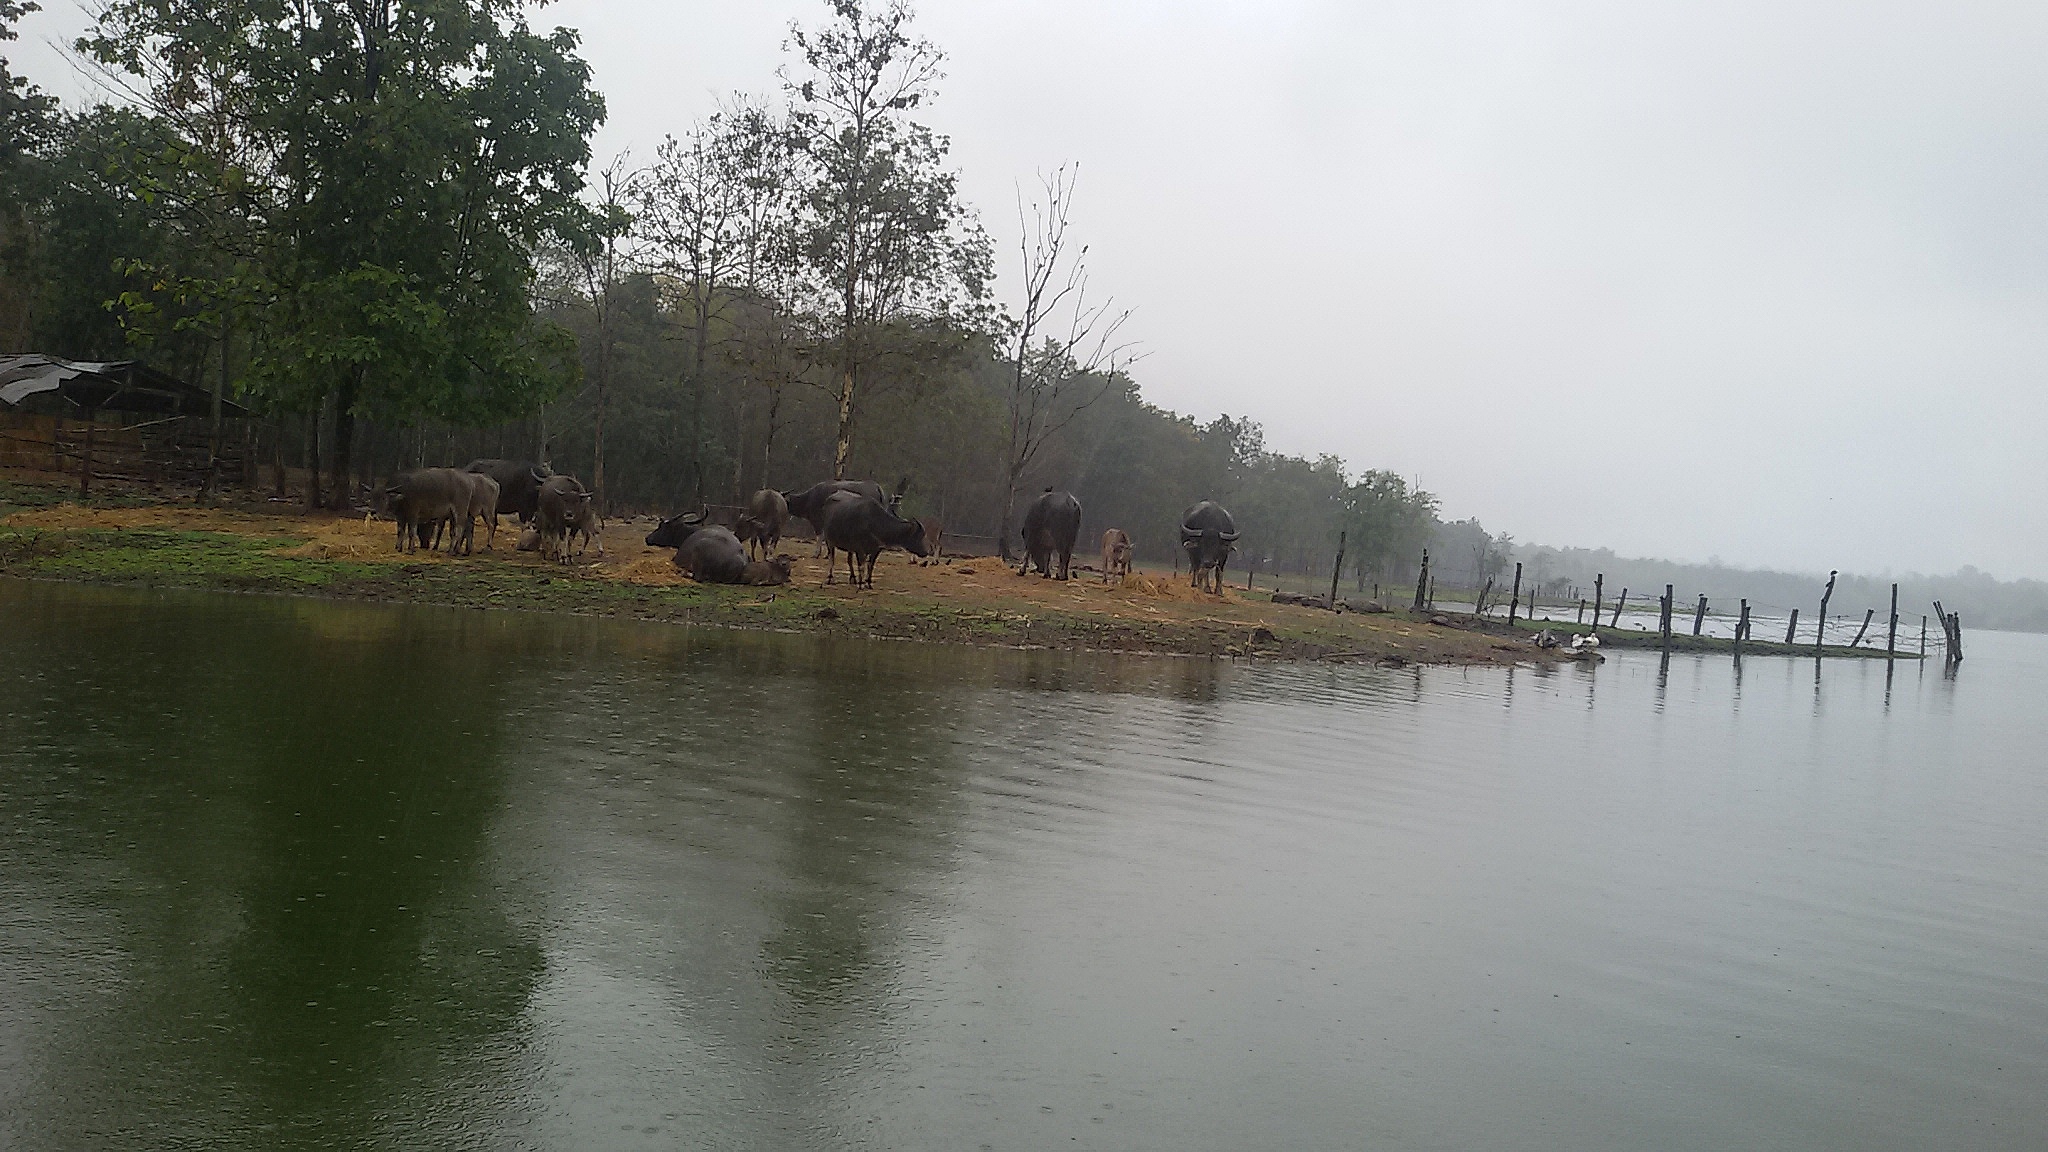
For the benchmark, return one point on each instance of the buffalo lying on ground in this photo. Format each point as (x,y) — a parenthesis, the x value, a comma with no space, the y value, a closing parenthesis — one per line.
(1116,555)
(423,501)
(714,555)
(761,525)
(519,484)
(562,506)
(671,533)
(1051,525)
(1209,535)
(862,527)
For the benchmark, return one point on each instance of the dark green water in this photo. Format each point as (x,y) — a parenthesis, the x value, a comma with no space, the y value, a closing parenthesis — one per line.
(282,873)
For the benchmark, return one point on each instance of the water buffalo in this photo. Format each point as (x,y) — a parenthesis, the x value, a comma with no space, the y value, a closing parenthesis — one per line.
(1050,526)
(483,503)
(761,526)
(561,506)
(1116,554)
(422,500)
(671,533)
(809,504)
(715,555)
(1209,535)
(861,527)
(519,484)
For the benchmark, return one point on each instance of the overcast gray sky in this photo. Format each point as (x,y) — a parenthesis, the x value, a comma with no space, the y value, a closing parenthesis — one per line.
(1762,281)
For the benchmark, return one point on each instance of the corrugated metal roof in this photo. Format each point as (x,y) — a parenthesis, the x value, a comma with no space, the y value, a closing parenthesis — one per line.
(117,386)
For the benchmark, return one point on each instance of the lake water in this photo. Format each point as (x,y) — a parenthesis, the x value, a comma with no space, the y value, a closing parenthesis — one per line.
(287,873)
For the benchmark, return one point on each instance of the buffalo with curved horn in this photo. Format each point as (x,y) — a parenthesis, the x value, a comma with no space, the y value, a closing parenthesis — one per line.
(1209,535)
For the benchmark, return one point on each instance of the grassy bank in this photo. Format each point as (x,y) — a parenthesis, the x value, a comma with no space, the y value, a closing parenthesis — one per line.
(139,538)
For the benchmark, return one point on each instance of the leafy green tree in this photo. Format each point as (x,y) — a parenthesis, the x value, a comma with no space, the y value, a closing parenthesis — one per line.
(408,157)
(27,119)
(897,263)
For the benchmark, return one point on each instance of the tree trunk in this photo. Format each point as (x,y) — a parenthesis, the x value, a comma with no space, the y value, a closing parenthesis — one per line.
(342,466)
(844,445)
(313,499)
(1009,513)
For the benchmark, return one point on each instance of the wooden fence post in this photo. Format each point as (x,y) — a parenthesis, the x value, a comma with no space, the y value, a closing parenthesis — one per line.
(1923,637)
(1741,627)
(1336,571)
(1955,629)
(1532,603)
(1618,606)
(1868,614)
(1699,616)
(1820,628)
(1515,597)
(1664,621)
(1891,639)
(1599,581)
(92,420)
(1421,579)
(1792,629)
(1582,612)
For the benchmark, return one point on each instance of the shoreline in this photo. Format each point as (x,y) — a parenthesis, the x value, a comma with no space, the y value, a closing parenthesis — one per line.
(134,539)
(142,539)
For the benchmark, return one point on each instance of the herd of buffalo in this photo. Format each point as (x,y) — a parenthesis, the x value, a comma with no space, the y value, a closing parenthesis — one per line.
(856,517)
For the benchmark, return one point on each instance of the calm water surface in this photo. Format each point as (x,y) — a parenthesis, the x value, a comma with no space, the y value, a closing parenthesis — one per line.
(281,873)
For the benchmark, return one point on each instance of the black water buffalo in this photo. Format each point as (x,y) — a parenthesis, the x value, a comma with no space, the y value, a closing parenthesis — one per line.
(861,527)
(1209,535)
(809,503)
(561,506)
(715,556)
(1051,525)
(519,484)
(671,533)
(761,525)
(423,501)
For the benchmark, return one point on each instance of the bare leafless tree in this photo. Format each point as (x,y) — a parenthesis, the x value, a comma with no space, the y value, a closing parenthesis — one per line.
(1065,343)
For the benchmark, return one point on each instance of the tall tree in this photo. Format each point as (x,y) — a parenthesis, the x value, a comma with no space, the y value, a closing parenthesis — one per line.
(413,153)
(1065,349)
(27,119)
(890,245)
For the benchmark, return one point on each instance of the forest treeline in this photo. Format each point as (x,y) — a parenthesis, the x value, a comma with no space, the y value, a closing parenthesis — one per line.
(376,224)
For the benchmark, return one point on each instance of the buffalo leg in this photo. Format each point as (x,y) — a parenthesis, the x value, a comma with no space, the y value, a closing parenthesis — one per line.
(831,568)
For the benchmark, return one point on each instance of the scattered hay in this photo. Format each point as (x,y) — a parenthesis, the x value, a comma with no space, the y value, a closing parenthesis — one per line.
(1139,586)
(355,539)
(656,568)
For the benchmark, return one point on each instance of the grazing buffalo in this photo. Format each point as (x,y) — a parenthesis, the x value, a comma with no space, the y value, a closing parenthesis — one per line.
(561,506)
(423,500)
(715,555)
(1050,527)
(761,526)
(483,502)
(671,533)
(1116,555)
(519,484)
(1209,535)
(809,504)
(861,527)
